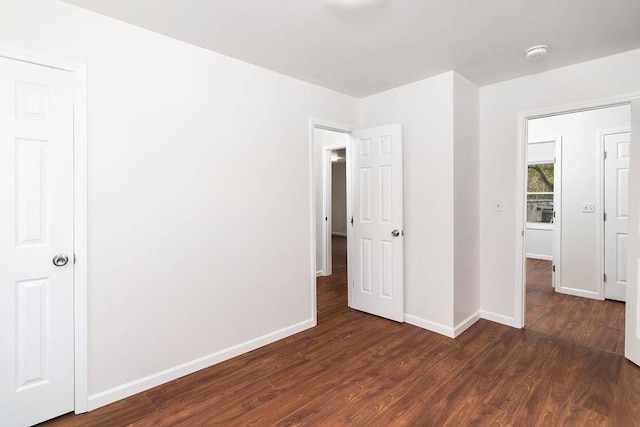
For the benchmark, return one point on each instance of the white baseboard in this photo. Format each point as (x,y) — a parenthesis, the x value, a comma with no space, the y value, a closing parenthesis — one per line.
(539,256)
(319,273)
(466,324)
(338,233)
(579,293)
(429,325)
(125,390)
(500,318)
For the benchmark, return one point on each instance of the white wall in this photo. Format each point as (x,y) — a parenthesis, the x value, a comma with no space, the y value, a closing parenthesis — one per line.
(581,159)
(439,116)
(499,107)
(339,198)
(539,243)
(425,110)
(466,202)
(191,251)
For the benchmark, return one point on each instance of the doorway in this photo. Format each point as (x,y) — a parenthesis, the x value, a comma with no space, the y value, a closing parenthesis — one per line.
(374,201)
(566,254)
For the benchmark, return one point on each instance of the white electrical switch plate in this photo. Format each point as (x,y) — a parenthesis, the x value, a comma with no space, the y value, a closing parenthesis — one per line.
(588,208)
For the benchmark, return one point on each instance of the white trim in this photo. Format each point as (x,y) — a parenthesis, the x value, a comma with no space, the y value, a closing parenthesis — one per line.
(557,208)
(318,273)
(80,270)
(125,390)
(327,247)
(327,199)
(521,161)
(539,256)
(540,225)
(338,233)
(438,328)
(312,231)
(466,324)
(579,293)
(499,318)
(336,127)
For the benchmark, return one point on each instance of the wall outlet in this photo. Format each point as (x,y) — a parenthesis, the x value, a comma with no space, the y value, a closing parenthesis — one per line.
(588,208)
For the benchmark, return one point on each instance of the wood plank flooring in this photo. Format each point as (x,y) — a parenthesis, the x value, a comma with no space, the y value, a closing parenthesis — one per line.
(598,324)
(357,369)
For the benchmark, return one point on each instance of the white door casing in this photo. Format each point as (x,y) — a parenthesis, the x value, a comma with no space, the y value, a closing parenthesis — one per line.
(36,223)
(556,274)
(616,208)
(632,316)
(377,270)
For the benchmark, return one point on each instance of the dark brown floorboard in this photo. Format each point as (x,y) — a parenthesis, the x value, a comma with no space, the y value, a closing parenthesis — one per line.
(592,323)
(357,369)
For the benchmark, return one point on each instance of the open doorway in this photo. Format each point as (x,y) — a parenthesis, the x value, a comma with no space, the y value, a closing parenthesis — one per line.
(571,266)
(374,279)
(331,188)
(337,209)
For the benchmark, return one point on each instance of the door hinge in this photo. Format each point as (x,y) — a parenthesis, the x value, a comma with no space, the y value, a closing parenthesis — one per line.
(604,155)
(604,216)
(553,268)
(522,233)
(352,220)
(326,218)
(604,276)
(74,258)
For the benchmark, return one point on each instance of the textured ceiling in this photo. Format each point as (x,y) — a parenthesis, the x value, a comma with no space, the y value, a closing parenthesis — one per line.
(381,44)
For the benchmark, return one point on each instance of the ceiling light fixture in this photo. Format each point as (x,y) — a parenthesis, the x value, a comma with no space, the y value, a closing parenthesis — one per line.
(536,52)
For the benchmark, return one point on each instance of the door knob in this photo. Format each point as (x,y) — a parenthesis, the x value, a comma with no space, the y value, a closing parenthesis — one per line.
(395,233)
(60,260)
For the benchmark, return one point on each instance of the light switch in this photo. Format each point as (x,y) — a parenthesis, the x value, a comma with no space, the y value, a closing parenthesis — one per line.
(588,208)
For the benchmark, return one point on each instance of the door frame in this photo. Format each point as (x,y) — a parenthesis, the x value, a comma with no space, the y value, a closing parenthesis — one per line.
(521,170)
(327,202)
(79,73)
(557,201)
(602,200)
(336,127)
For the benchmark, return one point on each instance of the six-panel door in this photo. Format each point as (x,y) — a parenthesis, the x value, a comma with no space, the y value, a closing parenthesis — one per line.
(36,224)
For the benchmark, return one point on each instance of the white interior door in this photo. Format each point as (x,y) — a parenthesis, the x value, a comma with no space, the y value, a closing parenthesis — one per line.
(632,316)
(377,271)
(36,224)
(616,207)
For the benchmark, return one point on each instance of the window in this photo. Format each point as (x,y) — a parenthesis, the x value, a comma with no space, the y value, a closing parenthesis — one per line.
(540,193)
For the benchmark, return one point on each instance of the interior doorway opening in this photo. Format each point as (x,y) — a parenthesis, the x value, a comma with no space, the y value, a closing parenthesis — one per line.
(567,218)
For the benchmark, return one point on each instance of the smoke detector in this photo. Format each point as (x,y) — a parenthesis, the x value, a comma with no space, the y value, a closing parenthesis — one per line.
(536,52)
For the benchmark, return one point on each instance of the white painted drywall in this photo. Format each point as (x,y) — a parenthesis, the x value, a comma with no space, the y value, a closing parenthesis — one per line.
(581,158)
(425,110)
(339,198)
(539,243)
(440,130)
(466,199)
(499,108)
(191,249)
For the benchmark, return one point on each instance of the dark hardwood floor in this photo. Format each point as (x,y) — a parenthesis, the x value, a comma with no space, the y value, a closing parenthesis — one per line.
(357,369)
(592,323)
